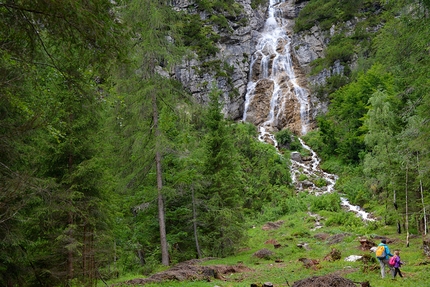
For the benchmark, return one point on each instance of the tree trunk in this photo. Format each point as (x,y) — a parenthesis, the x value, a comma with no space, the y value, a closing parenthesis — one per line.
(399,226)
(141,255)
(426,246)
(161,217)
(199,254)
(387,198)
(422,198)
(70,251)
(84,254)
(406,209)
(70,219)
(424,207)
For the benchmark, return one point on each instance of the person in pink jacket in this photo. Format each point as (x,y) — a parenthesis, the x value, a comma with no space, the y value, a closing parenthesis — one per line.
(396,264)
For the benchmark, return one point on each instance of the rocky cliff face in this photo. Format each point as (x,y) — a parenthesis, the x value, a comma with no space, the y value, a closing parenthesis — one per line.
(236,49)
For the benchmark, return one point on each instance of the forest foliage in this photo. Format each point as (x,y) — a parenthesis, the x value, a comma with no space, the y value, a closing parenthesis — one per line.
(376,123)
(89,128)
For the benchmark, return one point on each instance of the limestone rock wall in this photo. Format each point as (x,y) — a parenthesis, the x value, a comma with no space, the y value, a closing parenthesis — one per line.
(236,48)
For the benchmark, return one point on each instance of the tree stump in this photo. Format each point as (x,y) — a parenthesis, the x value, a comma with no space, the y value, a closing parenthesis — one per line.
(310,263)
(366,244)
(334,255)
(426,246)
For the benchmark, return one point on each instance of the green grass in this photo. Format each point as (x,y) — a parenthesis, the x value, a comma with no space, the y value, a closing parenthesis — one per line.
(297,229)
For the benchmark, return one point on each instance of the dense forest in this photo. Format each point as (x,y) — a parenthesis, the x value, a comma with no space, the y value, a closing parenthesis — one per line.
(108,166)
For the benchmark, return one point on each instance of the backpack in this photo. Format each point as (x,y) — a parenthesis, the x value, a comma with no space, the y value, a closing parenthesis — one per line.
(380,252)
(392,261)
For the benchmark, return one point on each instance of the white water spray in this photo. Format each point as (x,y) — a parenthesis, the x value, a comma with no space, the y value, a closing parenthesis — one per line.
(272,63)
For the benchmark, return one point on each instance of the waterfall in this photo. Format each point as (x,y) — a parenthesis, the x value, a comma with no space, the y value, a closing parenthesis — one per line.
(271,69)
(272,88)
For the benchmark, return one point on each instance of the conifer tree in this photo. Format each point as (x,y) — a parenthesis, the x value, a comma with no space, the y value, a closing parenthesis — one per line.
(146,94)
(221,208)
(50,56)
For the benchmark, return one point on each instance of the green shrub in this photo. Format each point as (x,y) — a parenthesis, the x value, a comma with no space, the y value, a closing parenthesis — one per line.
(328,202)
(256,3)
(342,51)
(344,219)
(320,182)
(302,177)
(221,21)
(294,204)
(284,137)
(326,13)
(318,65)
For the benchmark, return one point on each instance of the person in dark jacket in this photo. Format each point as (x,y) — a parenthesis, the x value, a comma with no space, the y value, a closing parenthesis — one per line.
(384,262)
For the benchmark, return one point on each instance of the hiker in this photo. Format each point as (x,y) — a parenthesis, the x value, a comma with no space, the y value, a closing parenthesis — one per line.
(383,254)
(396,263)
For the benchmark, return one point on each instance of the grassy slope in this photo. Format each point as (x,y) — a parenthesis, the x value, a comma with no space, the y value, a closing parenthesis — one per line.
(296,230)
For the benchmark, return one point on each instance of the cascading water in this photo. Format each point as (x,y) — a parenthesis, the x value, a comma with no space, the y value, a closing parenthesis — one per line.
(273,94)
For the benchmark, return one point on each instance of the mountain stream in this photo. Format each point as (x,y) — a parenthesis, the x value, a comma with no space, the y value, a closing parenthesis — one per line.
(272,66)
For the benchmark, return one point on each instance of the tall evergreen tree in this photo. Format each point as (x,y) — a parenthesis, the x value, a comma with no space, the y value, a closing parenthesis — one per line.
(50,55)
(147,94)
(221,206)
(382,162)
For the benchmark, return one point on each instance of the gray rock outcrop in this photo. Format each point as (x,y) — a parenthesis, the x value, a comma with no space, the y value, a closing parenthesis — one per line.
(235,48)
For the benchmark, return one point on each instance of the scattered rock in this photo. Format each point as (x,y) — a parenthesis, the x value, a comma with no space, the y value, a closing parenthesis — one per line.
(334,255)
(321,236)
(296,156)
(271,241)
(318,224)
(366,244)
(272,225)
(263,253)
(307,183)
(325,281)
(337,238)
(304,245)
(275,243)
(353,258)
(310,263)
